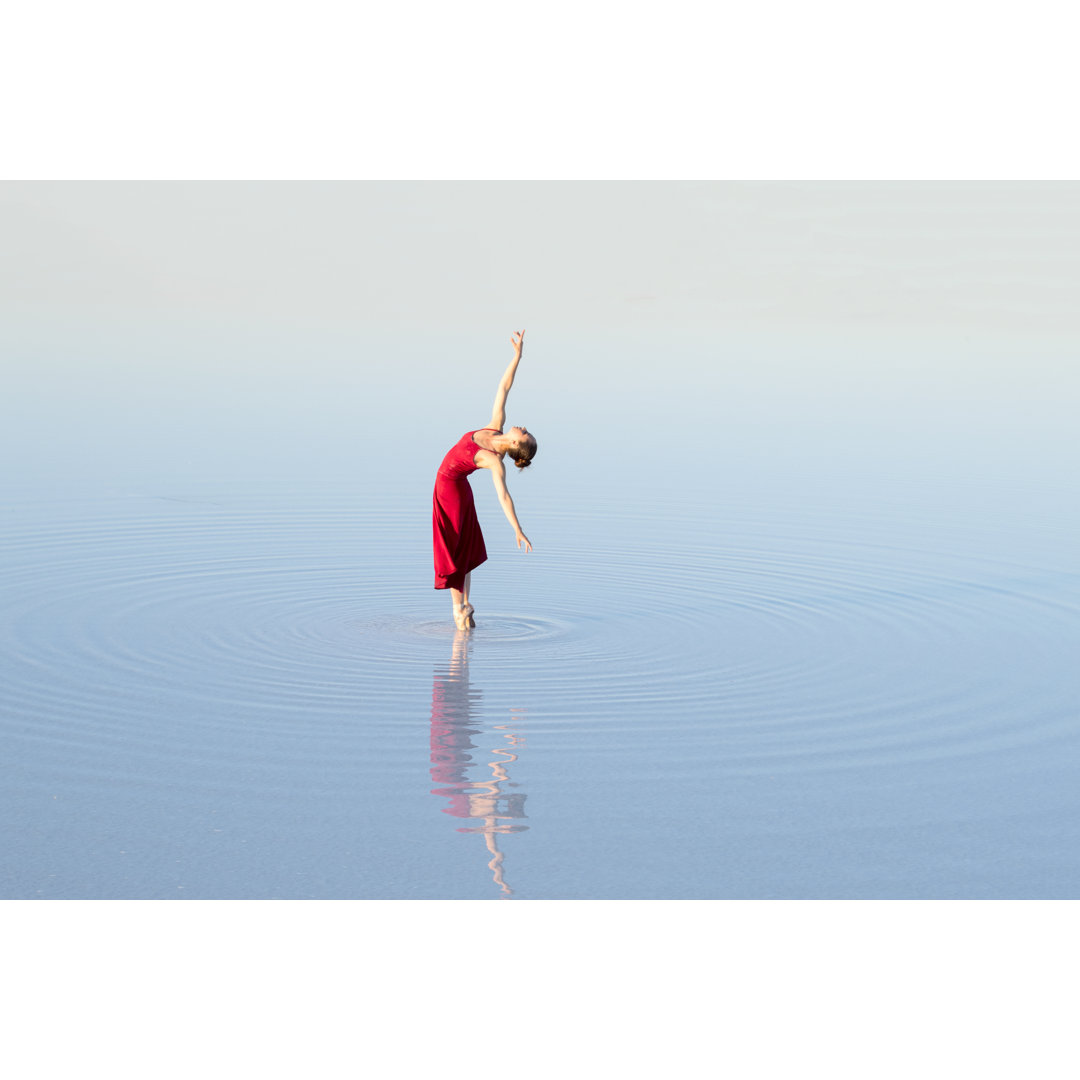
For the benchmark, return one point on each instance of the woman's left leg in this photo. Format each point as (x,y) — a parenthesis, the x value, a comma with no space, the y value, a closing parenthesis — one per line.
(458,608)
(466,606)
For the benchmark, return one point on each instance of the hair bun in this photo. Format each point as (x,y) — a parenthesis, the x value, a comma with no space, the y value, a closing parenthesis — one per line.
(523,463)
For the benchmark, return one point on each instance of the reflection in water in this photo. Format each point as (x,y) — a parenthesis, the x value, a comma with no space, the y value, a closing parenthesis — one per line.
(454,724)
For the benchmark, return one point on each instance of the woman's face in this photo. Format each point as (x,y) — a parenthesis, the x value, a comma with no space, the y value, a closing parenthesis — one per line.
(517,434)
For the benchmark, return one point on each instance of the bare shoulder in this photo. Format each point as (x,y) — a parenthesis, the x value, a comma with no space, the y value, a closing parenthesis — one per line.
(485,435)
(487,459)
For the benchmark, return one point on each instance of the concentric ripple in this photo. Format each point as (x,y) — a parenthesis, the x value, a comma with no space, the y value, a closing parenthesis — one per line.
(796,637)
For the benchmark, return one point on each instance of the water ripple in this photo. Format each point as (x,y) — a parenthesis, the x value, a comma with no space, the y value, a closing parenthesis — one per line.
(791,642)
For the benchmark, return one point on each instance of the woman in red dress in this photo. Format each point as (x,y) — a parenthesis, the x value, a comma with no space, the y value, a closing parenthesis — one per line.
(458,541)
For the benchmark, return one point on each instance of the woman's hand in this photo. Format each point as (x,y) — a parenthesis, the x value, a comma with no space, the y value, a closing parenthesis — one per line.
(517,341)
(521,536)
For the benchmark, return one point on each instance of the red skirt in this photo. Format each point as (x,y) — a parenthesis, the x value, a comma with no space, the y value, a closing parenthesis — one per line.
(458,541)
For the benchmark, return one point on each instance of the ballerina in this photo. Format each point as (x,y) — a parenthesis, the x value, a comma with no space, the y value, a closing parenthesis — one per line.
(458,541)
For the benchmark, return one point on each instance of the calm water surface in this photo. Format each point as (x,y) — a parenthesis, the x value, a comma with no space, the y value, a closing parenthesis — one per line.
(801,620)
(830,689)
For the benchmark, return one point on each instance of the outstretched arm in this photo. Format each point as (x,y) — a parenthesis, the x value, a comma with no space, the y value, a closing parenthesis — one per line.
(498,413)
(498,475)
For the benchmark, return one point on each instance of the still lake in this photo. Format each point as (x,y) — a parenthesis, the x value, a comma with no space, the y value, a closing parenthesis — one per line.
(801,619)
(764,647)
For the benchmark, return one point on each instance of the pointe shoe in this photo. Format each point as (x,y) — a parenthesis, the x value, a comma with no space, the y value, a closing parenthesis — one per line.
(461,620)
(467,611)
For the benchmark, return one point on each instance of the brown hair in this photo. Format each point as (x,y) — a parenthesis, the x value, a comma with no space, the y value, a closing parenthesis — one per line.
(523,454)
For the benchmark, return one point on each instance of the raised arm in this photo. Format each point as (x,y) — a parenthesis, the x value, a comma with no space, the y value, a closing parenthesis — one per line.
(498,413)
(498,475)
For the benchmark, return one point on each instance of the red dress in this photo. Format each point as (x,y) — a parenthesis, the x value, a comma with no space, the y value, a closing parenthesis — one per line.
(455,528)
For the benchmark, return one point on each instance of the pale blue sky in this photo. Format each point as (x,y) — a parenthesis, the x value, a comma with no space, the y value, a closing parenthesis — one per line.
(221,324)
